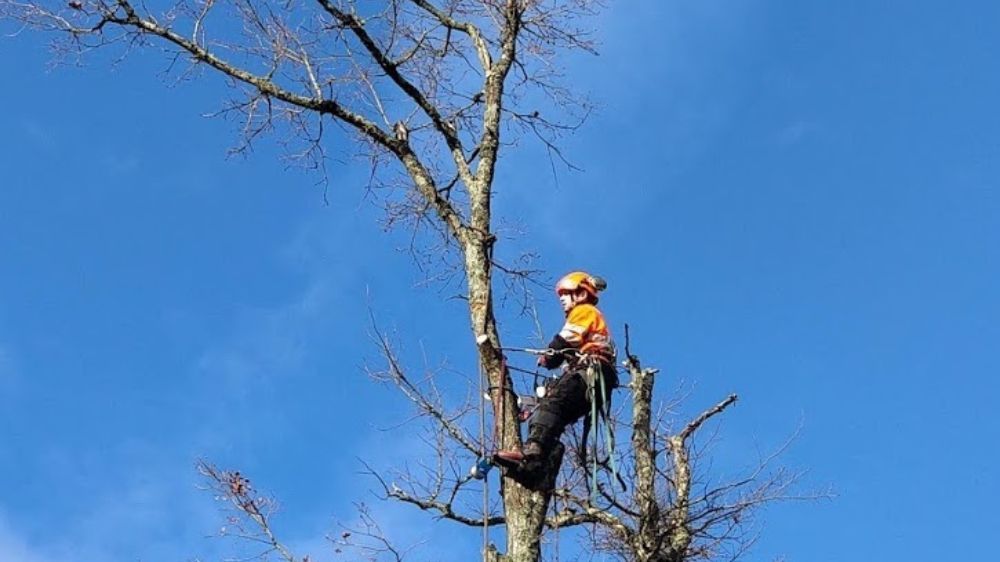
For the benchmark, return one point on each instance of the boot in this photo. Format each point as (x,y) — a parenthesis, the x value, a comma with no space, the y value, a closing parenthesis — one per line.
(532,451)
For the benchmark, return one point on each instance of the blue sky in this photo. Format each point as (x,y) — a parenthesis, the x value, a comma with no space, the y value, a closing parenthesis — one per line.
(798,203)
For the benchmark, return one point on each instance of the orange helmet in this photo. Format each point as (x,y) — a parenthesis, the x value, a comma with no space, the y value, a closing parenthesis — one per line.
(581,280)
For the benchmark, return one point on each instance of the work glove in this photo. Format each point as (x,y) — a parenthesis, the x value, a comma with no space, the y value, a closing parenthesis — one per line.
(549,359)
(555,354)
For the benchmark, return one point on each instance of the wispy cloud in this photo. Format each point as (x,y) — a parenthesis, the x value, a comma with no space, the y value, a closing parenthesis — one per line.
(266,342)
(16,548)
(666,118)
(145,507)
(142,503)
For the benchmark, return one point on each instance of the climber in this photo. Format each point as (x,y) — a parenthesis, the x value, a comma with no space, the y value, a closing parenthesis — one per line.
(584,341)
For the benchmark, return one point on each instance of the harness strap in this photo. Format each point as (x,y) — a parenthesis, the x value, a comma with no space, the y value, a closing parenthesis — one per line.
(609,434)
(594,376)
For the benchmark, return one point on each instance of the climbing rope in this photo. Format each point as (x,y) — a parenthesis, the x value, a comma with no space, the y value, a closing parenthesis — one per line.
(481,469)
(483,383)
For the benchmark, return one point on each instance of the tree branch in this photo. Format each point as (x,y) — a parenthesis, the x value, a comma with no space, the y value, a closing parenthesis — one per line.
(263,85)
(444,510)
(482,49)
(696,423)
(391,68)
(424,405)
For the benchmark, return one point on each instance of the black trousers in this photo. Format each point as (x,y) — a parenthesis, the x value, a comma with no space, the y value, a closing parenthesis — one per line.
(566,400)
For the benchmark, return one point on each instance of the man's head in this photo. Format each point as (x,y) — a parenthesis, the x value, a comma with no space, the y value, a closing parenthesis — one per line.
(577,288)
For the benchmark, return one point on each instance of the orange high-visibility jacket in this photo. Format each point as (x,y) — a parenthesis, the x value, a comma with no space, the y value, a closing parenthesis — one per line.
(586,330)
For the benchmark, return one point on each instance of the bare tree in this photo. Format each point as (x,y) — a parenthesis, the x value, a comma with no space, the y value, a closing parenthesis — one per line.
(651,504)
(247,513)
(428,92)
(658,508)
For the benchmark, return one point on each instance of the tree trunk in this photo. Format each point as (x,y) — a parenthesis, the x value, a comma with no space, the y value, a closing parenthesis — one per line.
(646,538)
(524,509)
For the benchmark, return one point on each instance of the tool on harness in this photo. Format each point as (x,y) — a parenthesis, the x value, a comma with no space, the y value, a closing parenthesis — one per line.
(540,387)
(526,406)
(526,403)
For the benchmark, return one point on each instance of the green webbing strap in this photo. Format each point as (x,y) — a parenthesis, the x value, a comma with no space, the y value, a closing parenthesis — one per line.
(596,377)
(609,432)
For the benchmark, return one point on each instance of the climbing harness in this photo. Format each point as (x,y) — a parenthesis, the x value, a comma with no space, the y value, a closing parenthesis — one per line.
(589,368)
